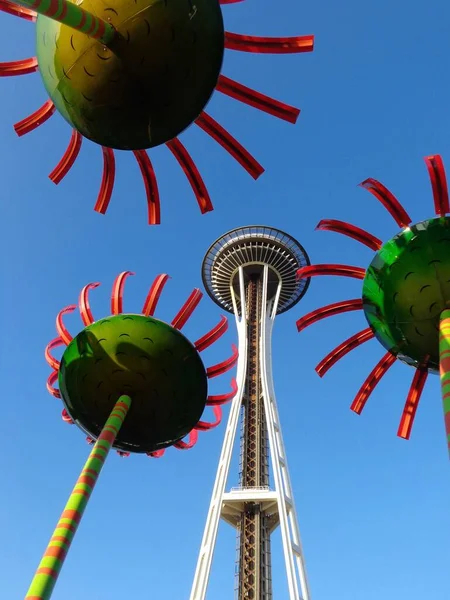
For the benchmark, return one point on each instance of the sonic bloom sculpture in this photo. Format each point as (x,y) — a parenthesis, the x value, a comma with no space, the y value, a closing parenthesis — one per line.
(133,383)
(405,296)
(132,75)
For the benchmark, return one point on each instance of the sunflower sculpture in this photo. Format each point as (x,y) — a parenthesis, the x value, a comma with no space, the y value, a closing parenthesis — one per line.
(130,382)
(405,296)
(132,75)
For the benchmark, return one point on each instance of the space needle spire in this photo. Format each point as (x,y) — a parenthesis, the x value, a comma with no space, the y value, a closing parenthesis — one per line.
(251,272)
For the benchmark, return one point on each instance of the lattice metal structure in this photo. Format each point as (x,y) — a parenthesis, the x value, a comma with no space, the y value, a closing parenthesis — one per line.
(251,271)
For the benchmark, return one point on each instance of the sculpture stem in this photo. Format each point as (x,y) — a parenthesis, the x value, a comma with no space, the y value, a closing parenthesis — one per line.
(45,578)
(73,16)
(444,367)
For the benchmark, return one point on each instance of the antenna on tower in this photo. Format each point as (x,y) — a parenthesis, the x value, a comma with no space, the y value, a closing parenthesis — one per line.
(251,272)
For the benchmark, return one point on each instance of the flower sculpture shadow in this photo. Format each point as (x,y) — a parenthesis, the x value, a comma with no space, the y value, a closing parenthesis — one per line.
(133,76)
(405,296)
(133,383)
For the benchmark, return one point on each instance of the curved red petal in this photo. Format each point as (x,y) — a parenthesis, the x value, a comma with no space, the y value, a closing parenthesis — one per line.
(68,159)
(356,233)
(108,178)
(340,351)
(154,293)
(37,118)
(157,453)
(192,440)
(117,292)
(90,441)
(247,95)
(205,426)
(190,170)
(18,67)
(371,382)
(60,327)
(224,366)
(51,360)
(230,144)
(388,200)
(438,179)
(328,311)
(331,269)
(151,186)
(17,11)
(123,454)
(269,45)
(213,335)
(412,402)
(52,379)
(66,417)
(223,398)
(187,309)
(83,304)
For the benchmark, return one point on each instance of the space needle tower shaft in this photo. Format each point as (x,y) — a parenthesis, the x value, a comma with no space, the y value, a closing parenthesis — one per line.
(251,271)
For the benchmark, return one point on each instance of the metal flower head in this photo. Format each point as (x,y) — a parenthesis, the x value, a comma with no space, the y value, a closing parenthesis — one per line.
(144,358)
(134,75)
(405,295)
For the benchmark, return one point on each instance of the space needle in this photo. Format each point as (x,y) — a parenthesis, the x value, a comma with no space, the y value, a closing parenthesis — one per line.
(251,272)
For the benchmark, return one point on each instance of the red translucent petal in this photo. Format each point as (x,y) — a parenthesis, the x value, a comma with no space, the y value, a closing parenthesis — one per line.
(157,453)
(17,11)
(108,178)
(412,402)
(37,118)
(60,327)
(117,292)
(153,295)
(213,335)
(331,269)
(51,360)
(358,234)
(223,398)
(388,200)
(438,179)
(83,304)
(123,454)
(90,441)
(224,366)
(192,440)
(68,159)
(187,309)
(205,426)
(371,382)
(18,67)
(151,186)
(190,170)
(269,45)
(247,95)
(66,417)
(230,144)
(52,379)
(340,351)
(328,311)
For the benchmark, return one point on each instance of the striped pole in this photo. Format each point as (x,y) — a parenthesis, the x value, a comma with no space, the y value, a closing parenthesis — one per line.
(73,16)
(45,578)
(444,367)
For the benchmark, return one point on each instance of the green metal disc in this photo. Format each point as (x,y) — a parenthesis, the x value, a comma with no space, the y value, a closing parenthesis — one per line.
(406,287)
(148,86)
(144,358)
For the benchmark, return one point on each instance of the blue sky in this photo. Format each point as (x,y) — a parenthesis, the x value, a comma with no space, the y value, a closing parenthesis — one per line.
(373,509)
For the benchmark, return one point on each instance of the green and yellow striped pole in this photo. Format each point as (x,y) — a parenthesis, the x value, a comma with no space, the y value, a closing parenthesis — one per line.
(73,16)
(44,581)
(444,367)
